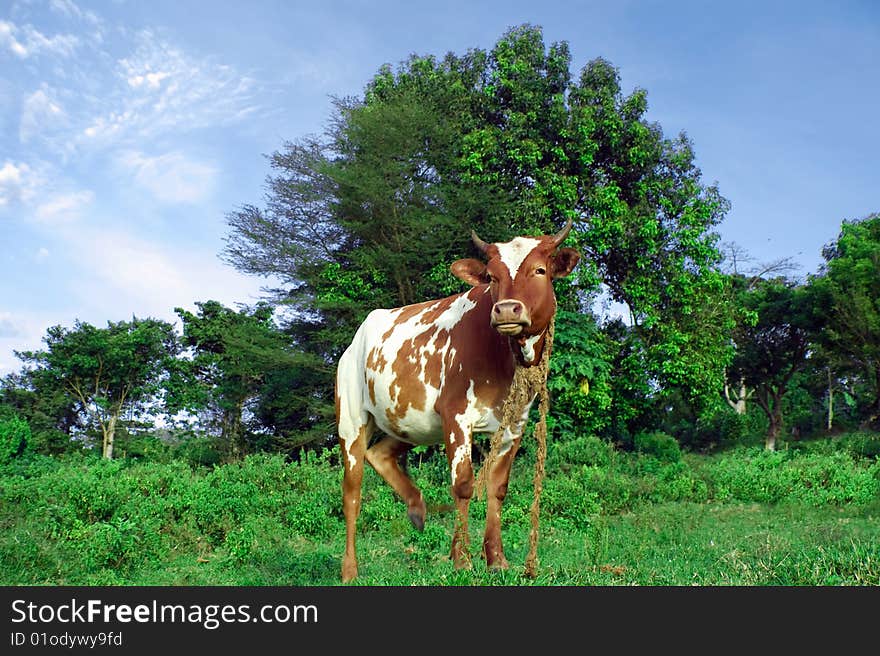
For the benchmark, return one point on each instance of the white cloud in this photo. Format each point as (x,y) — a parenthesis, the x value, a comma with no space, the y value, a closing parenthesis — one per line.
(131,275)
(27,41)
(42,254)
(151,80)
(165,89)
(7,38)
(39,111)
(18,183)
(172,177)
(64,208)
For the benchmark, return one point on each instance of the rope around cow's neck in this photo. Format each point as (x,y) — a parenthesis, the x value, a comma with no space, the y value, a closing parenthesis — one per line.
(527,383)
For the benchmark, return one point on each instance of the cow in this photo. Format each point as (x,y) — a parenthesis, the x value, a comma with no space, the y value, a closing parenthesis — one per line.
(439,371)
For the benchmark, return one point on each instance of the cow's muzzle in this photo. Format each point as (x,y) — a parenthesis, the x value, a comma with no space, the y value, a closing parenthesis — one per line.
(510,317)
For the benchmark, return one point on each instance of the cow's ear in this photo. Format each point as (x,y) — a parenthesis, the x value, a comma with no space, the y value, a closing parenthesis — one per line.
(472,271)
(564,261)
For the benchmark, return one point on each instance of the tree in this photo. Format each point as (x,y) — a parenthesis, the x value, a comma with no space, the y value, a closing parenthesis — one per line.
(745,277)
(52,412)
(107,371)
(849,286)
(772,341)
(504,141)
(236,357)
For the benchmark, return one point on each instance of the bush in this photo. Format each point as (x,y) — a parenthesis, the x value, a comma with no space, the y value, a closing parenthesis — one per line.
(585,450)
(201,451)
(815,479)
(15,433)
(658,444)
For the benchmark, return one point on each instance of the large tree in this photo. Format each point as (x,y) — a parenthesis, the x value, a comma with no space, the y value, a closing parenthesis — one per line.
(772,339)
(506,142)
(110,373)
(236,360)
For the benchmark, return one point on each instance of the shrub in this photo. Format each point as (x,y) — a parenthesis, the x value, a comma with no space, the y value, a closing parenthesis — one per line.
(15,433)
(584,450)
(567,498)
(202,451)
(658,444)
(815,479)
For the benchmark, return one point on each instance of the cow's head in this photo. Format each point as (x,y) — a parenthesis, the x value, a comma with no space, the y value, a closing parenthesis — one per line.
(520,276)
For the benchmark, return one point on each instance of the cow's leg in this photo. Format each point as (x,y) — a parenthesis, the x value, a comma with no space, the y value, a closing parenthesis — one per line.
(353,438)
(383,456)
(458,452)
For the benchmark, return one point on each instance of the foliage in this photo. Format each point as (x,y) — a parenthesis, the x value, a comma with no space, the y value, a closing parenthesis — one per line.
(106,371)
(239,363)
(772,340)
(659,445)
(816,479)
(849,292)
(83,520)
(15,434)
(579,377)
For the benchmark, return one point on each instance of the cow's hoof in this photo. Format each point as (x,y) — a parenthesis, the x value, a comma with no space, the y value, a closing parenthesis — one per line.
(498,563)
(416,515)
(349,572)
(493,554)
(417,519)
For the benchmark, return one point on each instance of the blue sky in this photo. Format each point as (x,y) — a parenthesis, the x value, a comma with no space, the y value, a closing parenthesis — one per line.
(128,130)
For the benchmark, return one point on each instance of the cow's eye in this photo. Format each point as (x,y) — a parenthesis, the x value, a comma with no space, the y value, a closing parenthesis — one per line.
(541,271)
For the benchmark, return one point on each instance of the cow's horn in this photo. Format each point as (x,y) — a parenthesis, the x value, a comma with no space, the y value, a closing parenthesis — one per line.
(479,243)
(560,236)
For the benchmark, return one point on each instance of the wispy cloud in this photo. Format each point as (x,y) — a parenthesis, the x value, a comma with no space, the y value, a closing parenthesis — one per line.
(20,331)
(40,111)
(70,9)
(26,41)
(160,89)
(64,208)
(18,183)
(8,326)
(172,177)
(143,277)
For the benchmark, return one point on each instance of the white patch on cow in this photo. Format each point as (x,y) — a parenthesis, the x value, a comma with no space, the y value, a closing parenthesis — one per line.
(465,421)
(513,253)
(462,452)
(379,332)
(528,348)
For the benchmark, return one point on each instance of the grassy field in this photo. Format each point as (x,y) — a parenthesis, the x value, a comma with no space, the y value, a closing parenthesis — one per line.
(808,515)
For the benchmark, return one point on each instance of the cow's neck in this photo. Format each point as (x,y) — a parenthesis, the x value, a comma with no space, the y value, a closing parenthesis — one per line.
(528,350)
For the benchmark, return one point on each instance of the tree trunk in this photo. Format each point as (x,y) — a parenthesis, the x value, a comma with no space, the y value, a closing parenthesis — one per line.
(830,401)
(738,401)
(109,434)
(232,432)
(770,402)
(773,431)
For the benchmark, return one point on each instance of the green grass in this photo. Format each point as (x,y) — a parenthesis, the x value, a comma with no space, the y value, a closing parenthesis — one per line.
(808,516)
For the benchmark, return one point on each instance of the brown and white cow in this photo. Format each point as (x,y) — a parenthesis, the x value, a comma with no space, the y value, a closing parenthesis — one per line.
(439,371)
